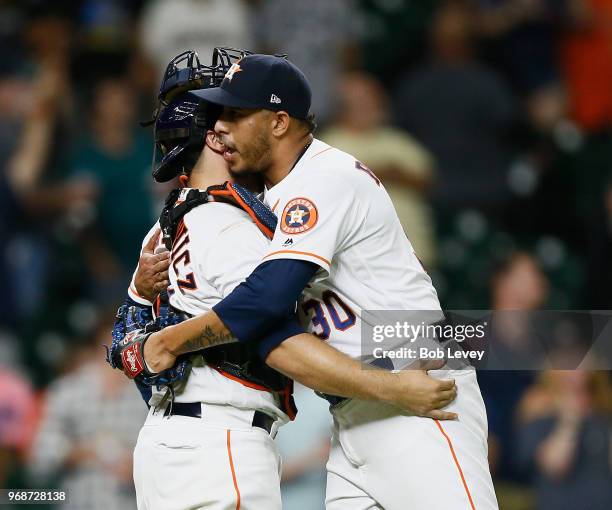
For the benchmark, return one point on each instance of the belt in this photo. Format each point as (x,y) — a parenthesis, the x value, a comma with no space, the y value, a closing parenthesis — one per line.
(194,410)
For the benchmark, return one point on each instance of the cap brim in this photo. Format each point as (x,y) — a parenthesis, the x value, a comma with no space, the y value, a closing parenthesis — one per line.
(222,97)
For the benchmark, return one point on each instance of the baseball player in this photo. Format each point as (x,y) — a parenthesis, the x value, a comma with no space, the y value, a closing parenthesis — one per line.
(224,458)
(340,243)
(207,440)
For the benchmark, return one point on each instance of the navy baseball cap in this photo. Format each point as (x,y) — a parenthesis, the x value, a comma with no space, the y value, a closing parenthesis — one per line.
(262,81)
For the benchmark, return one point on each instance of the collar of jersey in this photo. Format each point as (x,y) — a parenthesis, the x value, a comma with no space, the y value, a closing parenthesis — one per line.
(315,147)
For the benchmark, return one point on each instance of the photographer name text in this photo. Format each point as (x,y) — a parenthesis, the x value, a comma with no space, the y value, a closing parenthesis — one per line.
(427,353)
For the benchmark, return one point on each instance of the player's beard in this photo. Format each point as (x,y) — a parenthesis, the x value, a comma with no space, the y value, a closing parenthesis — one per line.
(256,157)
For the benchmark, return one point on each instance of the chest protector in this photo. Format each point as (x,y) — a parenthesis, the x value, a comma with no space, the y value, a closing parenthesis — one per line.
(237,361)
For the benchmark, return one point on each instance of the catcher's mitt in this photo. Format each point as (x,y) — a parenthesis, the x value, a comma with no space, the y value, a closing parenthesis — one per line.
(133,326)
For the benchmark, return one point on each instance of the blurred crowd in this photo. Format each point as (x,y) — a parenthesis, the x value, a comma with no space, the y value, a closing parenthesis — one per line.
(488,121)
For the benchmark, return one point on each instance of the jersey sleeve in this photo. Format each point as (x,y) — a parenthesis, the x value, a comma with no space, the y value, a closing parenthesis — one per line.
(261,304)
(233,255)
(315,223)
(132,292)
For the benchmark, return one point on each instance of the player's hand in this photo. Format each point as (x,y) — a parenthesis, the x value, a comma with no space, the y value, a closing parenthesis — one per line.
(152,274)
(157,357)
(416,391)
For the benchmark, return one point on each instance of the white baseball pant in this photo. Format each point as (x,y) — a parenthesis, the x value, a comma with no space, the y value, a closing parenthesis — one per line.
(217,462)
(382,458)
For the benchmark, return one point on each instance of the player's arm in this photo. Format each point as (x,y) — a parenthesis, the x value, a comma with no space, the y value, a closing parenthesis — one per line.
(261,309)
(303,357)
(148,280)
(136,309)
(308,360)
(253,309)
(317,365)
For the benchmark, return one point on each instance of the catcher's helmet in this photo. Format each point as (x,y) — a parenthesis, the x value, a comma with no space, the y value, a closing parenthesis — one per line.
(181,121)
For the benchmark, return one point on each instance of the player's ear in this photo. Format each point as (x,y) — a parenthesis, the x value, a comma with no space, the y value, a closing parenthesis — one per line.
(280,123)
(212,140)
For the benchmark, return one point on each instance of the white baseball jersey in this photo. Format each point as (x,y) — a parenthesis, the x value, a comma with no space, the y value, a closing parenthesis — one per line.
(333,211)
(219,461)
(216,247)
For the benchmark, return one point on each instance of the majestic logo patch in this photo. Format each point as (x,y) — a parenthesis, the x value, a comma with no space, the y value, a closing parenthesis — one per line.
(233,70)
(288,242)
(275,99)
(299,215)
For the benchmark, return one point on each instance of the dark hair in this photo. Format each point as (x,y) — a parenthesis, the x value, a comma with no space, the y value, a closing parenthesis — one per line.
(309,123)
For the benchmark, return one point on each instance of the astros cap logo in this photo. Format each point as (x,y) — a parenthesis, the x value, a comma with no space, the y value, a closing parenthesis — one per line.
(233,70)
(299,215)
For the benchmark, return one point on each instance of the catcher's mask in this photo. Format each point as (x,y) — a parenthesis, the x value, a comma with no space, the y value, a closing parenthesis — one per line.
(180,133)
(180,122)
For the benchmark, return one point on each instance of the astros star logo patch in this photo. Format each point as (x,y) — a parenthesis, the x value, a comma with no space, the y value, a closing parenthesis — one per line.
(233,70)
(299,215)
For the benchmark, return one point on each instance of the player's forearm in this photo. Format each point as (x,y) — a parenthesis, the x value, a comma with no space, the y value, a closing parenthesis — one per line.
(197,333)
(206,330)
(315,364)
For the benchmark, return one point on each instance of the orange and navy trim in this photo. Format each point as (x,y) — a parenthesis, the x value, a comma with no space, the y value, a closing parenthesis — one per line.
(299,253)
(179,231)
(135,292)
(248,384)
(452,450)
(232,469)
(231,192)
(286,394)
(321,152)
